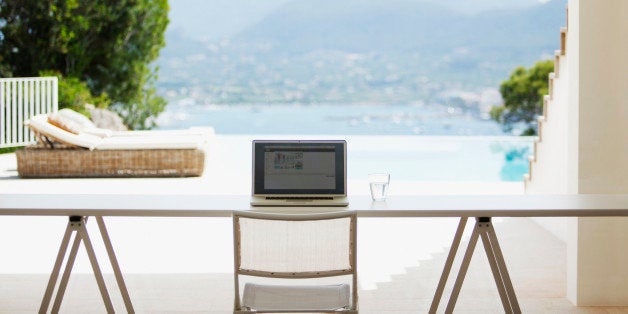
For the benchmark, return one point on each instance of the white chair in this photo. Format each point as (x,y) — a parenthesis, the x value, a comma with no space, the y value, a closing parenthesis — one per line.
(289,248)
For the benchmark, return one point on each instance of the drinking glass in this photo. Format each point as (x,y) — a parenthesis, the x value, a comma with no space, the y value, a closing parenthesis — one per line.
(379,185)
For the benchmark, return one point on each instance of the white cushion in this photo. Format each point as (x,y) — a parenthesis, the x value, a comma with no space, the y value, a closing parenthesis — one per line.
(40,124)
(64,123)
(76,117)
(98,132)
(149,142)
(76,123)
(184,132)
(89,140)
(278,297)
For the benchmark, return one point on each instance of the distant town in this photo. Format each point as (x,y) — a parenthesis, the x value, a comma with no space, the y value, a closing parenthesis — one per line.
(436,56)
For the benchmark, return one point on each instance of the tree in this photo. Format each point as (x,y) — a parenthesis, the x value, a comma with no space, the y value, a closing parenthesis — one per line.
(523,97)
(109,45)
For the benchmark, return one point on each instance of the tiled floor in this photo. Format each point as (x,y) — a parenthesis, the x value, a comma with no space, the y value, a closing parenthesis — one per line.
(536,261)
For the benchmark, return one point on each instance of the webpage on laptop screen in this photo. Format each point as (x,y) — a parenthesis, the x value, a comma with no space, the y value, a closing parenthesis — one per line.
(300,168)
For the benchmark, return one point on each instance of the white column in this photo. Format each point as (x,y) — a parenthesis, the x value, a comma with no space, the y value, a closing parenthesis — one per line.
(598,149)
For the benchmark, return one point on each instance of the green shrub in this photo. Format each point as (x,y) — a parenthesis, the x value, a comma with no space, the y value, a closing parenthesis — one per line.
(74,94)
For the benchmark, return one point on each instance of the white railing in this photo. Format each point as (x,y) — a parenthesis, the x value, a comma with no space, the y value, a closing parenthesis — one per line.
(20,99)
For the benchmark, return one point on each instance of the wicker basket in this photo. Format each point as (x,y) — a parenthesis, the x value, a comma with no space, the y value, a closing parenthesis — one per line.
(38,161)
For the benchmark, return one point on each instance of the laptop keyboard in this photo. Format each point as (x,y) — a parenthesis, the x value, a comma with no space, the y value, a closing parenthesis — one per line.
(297,198)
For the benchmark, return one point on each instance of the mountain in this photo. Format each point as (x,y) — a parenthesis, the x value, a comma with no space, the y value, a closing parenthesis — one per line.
(203,20)
(360,51)
(376,25)
(352,25)
(217,19)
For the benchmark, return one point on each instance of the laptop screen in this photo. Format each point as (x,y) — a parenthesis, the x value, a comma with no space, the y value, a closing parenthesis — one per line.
(299,167)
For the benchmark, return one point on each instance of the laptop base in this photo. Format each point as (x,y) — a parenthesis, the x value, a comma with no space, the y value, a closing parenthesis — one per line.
(299,201)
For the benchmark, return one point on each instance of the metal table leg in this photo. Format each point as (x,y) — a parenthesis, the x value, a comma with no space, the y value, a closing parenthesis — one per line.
(483,229)
(76,225)
(114,264)
(448,264)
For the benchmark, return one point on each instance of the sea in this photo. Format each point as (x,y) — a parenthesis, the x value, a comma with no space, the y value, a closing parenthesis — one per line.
(353,119)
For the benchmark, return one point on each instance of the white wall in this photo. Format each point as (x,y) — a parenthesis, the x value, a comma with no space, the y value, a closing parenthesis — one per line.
(571,224)
(601,255)
(603,116)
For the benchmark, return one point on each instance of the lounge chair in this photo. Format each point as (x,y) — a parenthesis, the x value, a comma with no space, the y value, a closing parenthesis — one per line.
(72,149)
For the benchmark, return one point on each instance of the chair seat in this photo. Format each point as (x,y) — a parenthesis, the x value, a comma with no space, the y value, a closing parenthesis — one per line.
(285,298)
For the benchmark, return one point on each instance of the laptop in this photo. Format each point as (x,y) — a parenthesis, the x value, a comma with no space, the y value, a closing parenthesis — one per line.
(299,173)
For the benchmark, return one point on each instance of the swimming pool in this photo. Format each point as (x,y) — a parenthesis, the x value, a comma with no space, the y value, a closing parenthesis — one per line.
(411,142)
(405,157)
(440,158)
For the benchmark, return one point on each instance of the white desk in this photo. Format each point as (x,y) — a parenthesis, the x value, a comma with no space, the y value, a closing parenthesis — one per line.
(482,208)
(197,205)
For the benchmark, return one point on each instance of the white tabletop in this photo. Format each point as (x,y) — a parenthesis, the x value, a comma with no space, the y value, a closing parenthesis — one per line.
(394,206)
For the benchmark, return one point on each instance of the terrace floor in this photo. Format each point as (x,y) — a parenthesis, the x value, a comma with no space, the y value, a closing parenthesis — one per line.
(184,265)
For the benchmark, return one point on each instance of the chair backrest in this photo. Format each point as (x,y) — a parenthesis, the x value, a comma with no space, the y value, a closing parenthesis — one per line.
(309,245)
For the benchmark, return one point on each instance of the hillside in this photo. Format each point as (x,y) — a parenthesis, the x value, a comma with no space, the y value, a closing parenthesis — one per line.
(361,51)
(376,25)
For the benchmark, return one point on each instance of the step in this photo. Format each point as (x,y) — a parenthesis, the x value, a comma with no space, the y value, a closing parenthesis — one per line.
(530,166)
(557,55)
(563,40)
(539,130)
(552,76)
(546,101)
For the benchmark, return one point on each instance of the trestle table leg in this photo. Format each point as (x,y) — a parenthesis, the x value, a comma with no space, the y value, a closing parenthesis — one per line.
(463,270)
(499,280)
(484,229)
(52,282)
(499,257)
(448,264)
(97,273)
(66,274)
(77,224)
(114,264)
